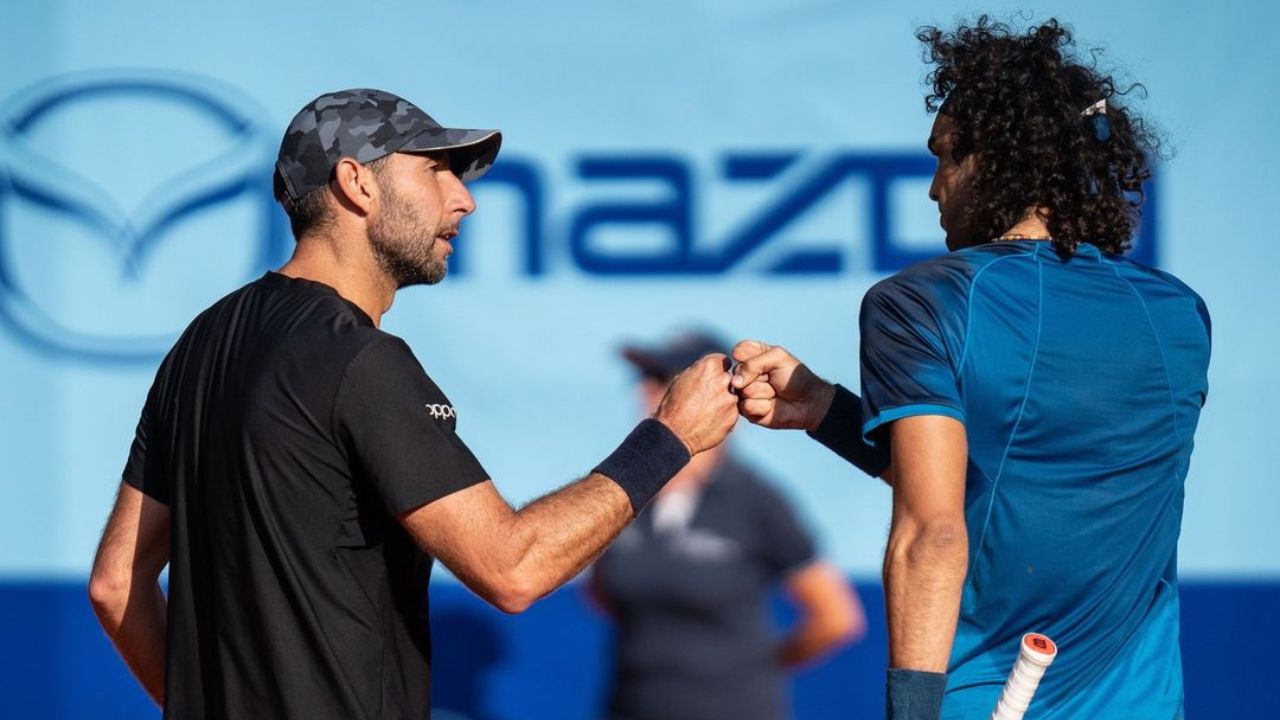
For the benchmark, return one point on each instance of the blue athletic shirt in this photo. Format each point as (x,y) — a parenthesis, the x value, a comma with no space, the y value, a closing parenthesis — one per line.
(1079,382)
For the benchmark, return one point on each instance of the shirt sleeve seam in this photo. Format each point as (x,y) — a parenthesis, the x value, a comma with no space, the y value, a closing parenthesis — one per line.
(810,558)
(968,322)
(140,484)
(898,412)
(342,383)
(1155,333)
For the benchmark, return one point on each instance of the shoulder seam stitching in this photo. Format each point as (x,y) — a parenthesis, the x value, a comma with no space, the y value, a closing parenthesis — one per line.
(1022,407)
(342,382)
(968,323)
(1164,362)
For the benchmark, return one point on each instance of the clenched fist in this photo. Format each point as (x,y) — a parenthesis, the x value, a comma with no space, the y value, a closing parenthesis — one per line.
(699,406)
(776,390)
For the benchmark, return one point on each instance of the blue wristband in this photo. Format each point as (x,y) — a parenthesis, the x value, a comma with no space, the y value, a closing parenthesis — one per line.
(914,694)
(644,462)
(841,431)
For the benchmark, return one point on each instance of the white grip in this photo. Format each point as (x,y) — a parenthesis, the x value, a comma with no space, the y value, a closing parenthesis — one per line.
(1034,657)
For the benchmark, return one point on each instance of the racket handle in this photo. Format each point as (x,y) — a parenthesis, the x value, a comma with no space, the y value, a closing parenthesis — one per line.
(1034,657)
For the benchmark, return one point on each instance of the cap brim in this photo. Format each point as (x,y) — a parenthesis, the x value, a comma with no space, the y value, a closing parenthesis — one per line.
(471,152)
(648,362)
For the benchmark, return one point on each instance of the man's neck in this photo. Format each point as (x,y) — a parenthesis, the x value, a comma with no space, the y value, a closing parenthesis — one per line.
(353,273)
(1031,227)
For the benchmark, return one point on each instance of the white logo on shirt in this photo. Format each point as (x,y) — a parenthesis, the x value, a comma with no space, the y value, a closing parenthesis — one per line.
(441,412)
(704,545)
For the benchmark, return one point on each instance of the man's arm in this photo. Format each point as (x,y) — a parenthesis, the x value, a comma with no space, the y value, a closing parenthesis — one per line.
(513,558)
(124,587)
(927,556)
(830,614)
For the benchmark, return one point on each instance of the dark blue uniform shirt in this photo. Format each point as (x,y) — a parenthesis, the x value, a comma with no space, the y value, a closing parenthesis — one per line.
(695,634)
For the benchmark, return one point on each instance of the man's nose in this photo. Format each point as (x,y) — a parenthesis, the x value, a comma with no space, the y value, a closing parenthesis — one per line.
(460,198)
(468,202)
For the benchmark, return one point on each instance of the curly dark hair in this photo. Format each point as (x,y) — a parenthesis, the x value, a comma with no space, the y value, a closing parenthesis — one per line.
(1018,100)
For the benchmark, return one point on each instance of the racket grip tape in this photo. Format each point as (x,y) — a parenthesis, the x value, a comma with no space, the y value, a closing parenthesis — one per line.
(1035,654)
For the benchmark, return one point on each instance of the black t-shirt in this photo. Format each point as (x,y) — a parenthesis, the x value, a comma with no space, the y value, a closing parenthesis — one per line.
(695,637)
(285,433)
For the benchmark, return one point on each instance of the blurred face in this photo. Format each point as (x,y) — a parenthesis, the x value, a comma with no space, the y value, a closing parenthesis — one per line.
(950,187)
(651,392)
(422,203)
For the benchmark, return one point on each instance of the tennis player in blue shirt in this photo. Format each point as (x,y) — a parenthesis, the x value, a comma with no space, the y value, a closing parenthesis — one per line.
(1030,396)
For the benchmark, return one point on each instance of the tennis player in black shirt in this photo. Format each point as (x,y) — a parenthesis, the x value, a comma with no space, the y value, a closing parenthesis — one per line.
(298,471)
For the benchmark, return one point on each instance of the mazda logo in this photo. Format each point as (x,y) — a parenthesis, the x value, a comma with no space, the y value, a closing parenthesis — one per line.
(129,201)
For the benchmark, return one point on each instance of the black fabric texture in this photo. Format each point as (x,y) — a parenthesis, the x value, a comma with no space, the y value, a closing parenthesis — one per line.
(914,694)
(695,636)
(286,433)
(841,432)
(649,456)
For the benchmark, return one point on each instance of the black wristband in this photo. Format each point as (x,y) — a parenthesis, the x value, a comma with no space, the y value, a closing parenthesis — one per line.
(644,462)
(914,694)
(841,431)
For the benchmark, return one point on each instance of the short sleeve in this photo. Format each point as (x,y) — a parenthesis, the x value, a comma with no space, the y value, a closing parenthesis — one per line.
(399,430)
(789,544)
(144,470)
(906,365)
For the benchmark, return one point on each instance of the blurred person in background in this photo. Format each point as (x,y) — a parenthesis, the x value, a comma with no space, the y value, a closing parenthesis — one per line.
(688,585)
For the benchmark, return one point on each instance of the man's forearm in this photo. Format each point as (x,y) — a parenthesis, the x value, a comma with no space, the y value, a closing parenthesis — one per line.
(923,577)
(564,531)
(512,558)
(812,639)
(829,613)
(925,563)
(561,533)
(136,623)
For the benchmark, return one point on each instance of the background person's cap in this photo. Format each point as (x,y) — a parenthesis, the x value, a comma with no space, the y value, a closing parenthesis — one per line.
(664,360)
(367,124)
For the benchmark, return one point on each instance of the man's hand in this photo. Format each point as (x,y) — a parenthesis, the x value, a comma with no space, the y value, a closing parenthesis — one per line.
(699,407)
(776,390)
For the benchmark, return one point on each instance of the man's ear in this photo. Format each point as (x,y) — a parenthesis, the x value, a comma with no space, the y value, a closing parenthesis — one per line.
(355,185)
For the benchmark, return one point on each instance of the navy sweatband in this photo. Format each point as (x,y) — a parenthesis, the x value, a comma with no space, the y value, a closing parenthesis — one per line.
(841,431)
(914,694)
(644,462)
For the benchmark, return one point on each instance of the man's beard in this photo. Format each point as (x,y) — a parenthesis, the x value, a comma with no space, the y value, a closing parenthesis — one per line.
(966,220)
(398,238)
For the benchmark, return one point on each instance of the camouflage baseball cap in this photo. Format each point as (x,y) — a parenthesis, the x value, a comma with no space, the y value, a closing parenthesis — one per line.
(367,124)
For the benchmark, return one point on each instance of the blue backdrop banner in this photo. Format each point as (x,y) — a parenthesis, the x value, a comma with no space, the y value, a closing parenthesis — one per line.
(748,167)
